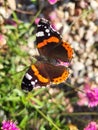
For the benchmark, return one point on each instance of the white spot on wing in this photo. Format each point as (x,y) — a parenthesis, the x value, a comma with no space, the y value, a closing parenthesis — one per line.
(48,34)
(40,34)
(28,76)
(36,81)
(39,25)
(47,30)
(33,83)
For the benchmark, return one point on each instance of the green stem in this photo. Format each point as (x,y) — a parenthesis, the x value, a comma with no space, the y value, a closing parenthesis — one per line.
(35,17)
(81,113)
(48,119)
(75,88)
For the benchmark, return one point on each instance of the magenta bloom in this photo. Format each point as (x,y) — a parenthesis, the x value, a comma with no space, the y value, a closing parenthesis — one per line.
(37,20)
(9,125)
(92,95)
(91,126)
(52,1)
(89,96)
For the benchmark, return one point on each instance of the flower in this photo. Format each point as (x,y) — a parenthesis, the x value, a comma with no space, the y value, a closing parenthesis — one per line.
(55,20)
(91,126)
(82,99)
(37,20)
(89,96)
(9,125)
(92,96)
(52,1)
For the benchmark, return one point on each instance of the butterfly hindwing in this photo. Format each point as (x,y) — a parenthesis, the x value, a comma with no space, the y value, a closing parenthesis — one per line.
(42,74)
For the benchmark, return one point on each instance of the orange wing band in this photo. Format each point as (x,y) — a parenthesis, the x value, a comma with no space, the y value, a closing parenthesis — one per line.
(46,41)
(40,77)
(62,78)
(67,46)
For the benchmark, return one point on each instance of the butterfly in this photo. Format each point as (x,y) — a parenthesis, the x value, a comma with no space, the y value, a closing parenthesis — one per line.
(56,53)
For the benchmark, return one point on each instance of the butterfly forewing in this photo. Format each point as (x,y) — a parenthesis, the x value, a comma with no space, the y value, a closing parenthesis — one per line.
(50,44)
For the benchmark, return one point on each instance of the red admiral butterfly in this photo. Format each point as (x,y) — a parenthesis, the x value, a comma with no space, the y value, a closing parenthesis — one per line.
(51,46)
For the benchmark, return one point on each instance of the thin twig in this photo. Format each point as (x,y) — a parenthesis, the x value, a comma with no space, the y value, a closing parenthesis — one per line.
(24,12)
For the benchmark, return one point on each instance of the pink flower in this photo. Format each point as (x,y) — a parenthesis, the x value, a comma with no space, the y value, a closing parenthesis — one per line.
(92,95)
(52,1)
(53,15)
(89,96)
(37,20)
(82,99)
(9,125)
(91,126)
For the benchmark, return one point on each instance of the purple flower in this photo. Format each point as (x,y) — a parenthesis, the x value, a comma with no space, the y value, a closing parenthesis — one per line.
(9,125)
(91,126)
(92,95)
(89,96)
(52,1)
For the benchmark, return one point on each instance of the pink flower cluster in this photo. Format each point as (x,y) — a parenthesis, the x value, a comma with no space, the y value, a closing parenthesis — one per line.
(89,96)
(9,125)
(91,126)
(92,95)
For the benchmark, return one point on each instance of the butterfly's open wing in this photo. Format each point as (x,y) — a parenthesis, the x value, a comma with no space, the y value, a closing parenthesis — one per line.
(42,74)
(50,44)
